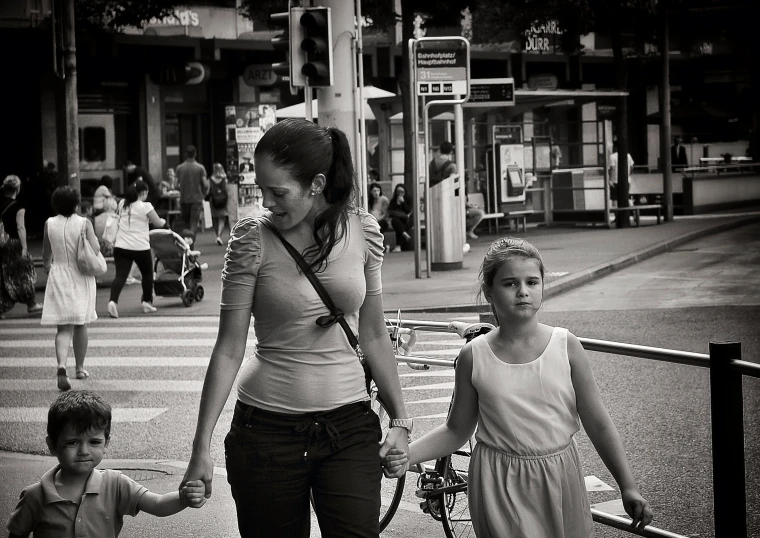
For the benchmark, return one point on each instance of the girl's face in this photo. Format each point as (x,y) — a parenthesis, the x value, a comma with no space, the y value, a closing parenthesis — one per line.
(289,201)
(400,192)
(375,192)
(517,290)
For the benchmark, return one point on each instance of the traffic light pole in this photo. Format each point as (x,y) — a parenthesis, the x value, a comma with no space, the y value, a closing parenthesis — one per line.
(307,100)
(337,103)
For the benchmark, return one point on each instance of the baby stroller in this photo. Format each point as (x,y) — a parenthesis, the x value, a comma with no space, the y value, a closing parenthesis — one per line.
(181,274)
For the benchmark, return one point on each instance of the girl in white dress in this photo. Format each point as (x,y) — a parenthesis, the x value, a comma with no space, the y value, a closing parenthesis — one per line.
(526,386)
(69,295)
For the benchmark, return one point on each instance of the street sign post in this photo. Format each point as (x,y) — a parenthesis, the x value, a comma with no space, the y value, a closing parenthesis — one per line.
(491,92)
(440,67)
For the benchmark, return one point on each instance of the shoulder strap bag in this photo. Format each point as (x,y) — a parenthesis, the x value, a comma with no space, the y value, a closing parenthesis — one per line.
(4,237)
(89,262)
(336,315)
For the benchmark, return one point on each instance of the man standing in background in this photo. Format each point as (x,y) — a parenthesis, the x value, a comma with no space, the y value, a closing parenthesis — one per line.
(614,173)
(193,186)
(678,160)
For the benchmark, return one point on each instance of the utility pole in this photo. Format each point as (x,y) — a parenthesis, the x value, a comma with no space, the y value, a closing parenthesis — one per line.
(337,103)
(667,176)
(68,148)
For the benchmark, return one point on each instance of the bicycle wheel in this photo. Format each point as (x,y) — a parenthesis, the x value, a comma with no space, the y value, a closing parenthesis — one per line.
(455,508)
(391,488)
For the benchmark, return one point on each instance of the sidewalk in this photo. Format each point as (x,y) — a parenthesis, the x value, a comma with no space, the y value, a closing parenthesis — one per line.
(572,256)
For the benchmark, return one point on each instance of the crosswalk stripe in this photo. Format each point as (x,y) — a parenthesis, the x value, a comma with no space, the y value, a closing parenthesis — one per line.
(165,330)
(110,362)
(118,414)
(436,343)
(447,385)
(131,343)
(146,320)
(105,385)
(428,373)
(428,417)
(442,399)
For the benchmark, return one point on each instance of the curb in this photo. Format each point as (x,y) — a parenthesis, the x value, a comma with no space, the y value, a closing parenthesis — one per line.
(576,280)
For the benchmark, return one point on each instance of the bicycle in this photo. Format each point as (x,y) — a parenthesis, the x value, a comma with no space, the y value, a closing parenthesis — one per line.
(443,487)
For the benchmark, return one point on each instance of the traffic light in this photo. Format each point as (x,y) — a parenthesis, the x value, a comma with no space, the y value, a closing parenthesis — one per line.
(316,44)
(289,42)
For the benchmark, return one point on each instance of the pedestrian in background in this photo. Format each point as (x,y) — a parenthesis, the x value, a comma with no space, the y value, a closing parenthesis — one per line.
(17,274)
(103,200)
(69,295)
(613,171)
(218,197)
(302,424)
(133,245)
(377,204)
(400,214)
(193,186)
(527,386)
(137,173)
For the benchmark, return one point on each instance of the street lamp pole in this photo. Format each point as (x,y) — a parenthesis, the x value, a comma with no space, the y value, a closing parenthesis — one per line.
(665,131)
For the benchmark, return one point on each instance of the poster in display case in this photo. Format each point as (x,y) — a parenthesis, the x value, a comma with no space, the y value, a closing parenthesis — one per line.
(245,124)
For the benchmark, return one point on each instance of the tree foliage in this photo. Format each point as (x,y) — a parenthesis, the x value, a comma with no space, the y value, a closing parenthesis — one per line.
(99,15)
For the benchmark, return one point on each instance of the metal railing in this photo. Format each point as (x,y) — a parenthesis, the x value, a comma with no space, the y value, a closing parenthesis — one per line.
(727,417)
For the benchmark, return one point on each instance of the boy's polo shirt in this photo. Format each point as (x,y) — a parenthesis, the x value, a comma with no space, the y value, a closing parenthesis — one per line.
(108,496)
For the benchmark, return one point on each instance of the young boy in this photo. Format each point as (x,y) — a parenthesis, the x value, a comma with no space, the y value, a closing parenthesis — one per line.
(74,496)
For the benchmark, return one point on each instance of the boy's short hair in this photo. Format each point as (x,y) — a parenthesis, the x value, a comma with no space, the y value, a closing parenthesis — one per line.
(85,206)
(83,409)
(188,234)
(446,148)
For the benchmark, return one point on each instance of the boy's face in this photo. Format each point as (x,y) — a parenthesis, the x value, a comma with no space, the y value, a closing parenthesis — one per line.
(79,453)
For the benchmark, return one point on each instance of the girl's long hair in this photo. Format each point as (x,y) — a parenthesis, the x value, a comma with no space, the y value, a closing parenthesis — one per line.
(305,149)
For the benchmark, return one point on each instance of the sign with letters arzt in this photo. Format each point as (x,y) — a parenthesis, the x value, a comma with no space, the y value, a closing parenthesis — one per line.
(259,75)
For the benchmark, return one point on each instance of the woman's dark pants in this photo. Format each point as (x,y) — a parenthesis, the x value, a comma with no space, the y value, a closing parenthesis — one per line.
(122,259)
(274,460)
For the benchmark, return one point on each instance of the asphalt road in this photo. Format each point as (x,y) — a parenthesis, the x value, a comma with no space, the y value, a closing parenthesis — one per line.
(151,370)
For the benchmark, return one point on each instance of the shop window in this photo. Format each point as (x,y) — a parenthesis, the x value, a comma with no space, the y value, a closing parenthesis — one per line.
(92,144)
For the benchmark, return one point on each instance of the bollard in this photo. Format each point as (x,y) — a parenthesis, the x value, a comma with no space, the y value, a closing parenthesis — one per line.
(727,416)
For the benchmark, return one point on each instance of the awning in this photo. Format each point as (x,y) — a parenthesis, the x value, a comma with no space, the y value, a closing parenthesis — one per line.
(299,110)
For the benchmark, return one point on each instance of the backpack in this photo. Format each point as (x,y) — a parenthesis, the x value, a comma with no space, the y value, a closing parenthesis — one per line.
(438,175)
(218,194)
(4,237)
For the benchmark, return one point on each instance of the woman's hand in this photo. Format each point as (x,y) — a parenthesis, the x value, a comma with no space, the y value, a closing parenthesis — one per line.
(637,507)
(395,452)
(201,467)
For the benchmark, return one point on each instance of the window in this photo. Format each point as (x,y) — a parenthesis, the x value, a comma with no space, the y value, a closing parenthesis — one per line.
(92,144)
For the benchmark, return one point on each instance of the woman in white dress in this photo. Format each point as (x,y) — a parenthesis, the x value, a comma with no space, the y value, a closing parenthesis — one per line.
(69,295)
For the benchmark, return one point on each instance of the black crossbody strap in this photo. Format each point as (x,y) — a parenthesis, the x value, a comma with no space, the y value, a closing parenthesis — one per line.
(336,315)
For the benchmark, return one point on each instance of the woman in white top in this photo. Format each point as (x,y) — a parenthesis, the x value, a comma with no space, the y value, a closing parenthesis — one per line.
(133,245)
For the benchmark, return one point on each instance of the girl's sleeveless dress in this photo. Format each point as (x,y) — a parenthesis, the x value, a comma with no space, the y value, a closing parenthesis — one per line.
(525,476)
(69,295)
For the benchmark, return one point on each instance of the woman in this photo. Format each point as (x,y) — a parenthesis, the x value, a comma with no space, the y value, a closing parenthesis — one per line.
(133,245)
(400,213)
(103,200)
(378,205)
(69,295)
(218,188)
(17,274)
(302,421)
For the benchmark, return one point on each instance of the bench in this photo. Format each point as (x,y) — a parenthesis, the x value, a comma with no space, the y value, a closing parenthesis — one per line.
(635,210)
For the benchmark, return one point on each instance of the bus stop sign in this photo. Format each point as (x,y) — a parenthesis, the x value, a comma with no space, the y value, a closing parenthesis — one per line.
(441,70)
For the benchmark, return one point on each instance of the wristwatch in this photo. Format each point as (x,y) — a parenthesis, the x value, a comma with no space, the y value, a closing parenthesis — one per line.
(406,423)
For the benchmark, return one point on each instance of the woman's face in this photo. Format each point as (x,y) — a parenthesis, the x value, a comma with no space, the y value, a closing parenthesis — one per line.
(289,201)
(142,196)
(376,192)
(399,193)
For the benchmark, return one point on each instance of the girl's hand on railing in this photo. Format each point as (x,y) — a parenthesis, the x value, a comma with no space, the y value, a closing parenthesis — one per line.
(637,507)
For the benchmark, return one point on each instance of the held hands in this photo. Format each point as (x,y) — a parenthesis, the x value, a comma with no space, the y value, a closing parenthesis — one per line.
(192,494)
(395,463)
(395,453)
(637,507)
(200,470)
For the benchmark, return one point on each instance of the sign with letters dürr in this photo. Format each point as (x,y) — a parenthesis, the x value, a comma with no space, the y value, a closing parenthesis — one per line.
(491,92)
(441,71)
